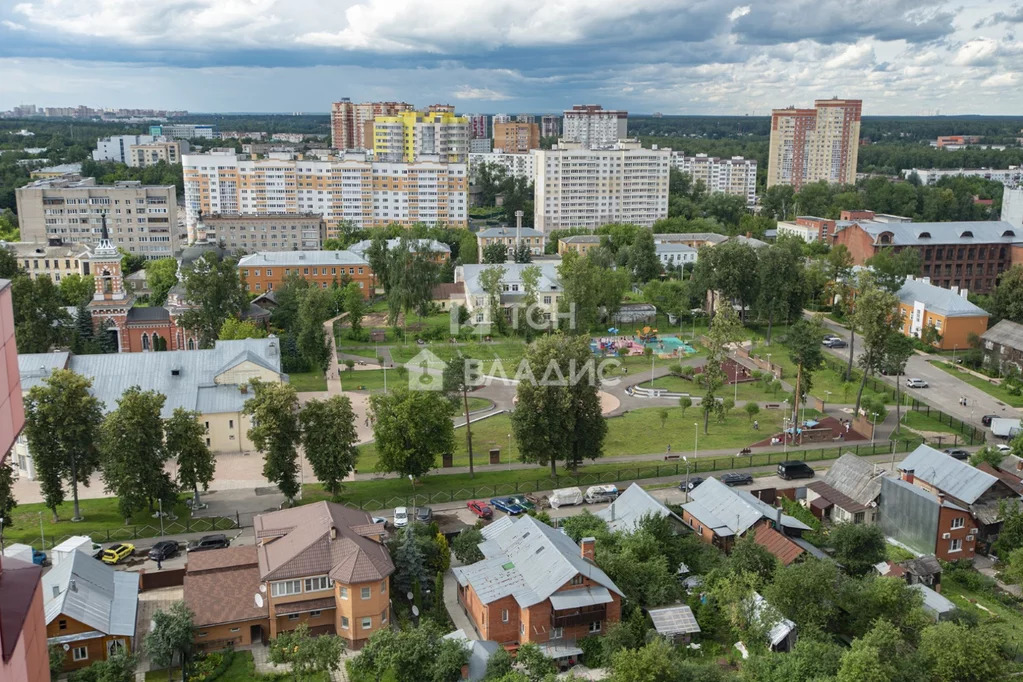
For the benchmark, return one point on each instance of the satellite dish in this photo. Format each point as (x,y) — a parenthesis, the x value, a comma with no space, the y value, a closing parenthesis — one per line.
(410,596)
(262,588)
(258,598)
(67,647)
(415,610)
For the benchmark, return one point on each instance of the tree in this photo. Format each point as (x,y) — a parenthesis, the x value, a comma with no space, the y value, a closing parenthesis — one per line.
(655,662)
(131,262)
(377,255)
(750,557)
(235,329)
(494,253)
(409,563)
(77,289)
(897,351)
(530,287)
(161,276)
(730,269)
(57,656)
(118,667)
(781,284)
(185,436)
(215,292)
(411,274)
(643,260)
(7,501)
(522,254)
(355,306)
(40,321)
(411,429)
(456,385)
(558,415)
(329,440)
(466,545)
(807,592)
(890,267)
(491,282)
(313,310)
(876,315)
(172,635)
(858,546)
(62,426)
(499,665)
(420,653)
(275,432)
(306,654)
(988,454)
(133,451)
(1007,298)
(956,653)
(537,665)
(725,329)
(804,342)
(752,410)
(685,402)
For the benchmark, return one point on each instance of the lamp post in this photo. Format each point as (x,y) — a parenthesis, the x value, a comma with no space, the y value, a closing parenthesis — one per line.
(829,396)
(873,425)
(413,480)
(785,434)
(686,460)
(954,349)
(42,534)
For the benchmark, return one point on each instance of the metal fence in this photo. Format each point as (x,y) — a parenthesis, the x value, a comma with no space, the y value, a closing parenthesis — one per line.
(137,531)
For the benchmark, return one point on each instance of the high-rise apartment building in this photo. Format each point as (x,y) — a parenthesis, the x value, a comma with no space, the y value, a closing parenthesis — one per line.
(118,147)
(525,118)
(142,219)
(580,187)
(263,232)
(808,145)
(478,126)
(736,175)
(515,165)
(516,138)
(348,188)
(441,109)
(348,121)
(500,118)
(186,131)
(592,126)
(152,153)
(409,135)
(550,125)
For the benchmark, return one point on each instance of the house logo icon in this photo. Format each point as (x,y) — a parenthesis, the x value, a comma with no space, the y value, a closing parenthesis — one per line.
(425,372)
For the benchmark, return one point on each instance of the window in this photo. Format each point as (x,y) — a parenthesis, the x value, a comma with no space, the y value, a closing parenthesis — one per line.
(366,592)
(320,582)
(557,633)
(236,629)
(504,615)
(315,614)
(595,626)
(577,580)
(62,624)
(383,587)
(293,616)
(80,653)
(367,622)
(522,628)
(955,545)
(285,587)
(344,593)
(383,616)
(344,622)
(958,522)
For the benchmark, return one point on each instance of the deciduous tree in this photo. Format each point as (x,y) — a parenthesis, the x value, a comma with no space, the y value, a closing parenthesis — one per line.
(133,451)
(956,653)
(161,276)
(495,253)
(307,655)
(725,329)
(215,292)
(1007,298)
(171,635)
(858,546)
(329,439)
(875,317)
(411,429)
(276,433)
(235,329)
(804,342)
(77,289)
(456,382)
(186,444)
(40,321)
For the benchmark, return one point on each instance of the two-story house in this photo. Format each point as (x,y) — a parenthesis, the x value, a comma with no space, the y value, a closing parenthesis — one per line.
(536,585)
(848,492)
(513,290)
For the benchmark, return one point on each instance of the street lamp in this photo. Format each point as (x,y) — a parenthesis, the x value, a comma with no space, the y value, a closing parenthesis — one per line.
(686,460)
(42,534)
(413,480)
(873,425)
(785,434)
(696,438)
(829,396)
(954,349)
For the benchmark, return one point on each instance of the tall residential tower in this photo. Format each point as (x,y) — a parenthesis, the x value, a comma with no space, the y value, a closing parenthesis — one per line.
(808,145)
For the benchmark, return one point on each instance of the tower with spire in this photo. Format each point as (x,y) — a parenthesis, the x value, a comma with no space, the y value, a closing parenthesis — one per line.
(111,301)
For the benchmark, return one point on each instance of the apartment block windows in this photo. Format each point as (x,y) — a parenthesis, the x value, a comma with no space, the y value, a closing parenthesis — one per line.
(285,587)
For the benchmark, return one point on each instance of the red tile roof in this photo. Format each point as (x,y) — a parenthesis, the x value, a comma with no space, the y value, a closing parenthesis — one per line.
(214,559)
(1007,478)
(777,544)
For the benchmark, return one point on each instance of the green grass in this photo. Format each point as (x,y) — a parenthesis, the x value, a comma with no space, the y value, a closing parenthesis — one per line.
(366,352)
(372,380)
(308,381)
(921,421)
(1005,620)
(998,392)
(896,553)
(746,391)
(479,404)
(165,675)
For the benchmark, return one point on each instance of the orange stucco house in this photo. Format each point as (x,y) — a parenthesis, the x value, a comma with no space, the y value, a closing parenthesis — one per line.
(536,585)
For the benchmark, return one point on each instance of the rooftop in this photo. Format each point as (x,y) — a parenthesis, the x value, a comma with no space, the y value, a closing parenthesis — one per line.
(938,300)
(18,584)
(625,512)
(732,512)
(582,239)
(221,584)
(87,590)
(947,474)
(674,620)
(669,237)
(777,544)
(856,478)
(300,258)
(424,245)
(508,232)
(1006,333)
(470,274)
(958,232)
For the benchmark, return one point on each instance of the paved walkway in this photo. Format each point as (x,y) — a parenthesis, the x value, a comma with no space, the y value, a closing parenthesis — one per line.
(458,616)
(986,565)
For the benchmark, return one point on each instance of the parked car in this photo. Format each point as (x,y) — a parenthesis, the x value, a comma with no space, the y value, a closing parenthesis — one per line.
(794,469)
(424,514)
(986,419)
(218,541)
(566,496)
(380,519)
(117,553)
(506,505)
(600,493)
(39,558)
(693,482)
(400,517)
(828,338)
(480,509)
(737,479)
(163,550)
(523,502)
(957,453)
(1002,447)
(916,383)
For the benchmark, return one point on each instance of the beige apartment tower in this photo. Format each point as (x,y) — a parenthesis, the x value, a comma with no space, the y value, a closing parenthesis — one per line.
(348,121)
(808,145)
(516,138)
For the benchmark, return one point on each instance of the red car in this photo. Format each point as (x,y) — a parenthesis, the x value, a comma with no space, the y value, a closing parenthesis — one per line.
(480,509)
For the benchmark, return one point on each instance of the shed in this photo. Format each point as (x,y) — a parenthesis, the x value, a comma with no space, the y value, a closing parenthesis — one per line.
(939,607)
(675,622)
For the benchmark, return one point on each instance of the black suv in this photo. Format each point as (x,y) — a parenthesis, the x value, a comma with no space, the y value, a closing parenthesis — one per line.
(163,550)
(218,541)
(790,470)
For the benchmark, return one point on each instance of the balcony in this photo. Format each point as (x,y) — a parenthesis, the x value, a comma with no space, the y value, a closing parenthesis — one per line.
(581,616)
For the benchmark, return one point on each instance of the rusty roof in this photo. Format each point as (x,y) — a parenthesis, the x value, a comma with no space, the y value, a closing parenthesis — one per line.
(319,539)
(777,544)
(1007,478)
(836,497)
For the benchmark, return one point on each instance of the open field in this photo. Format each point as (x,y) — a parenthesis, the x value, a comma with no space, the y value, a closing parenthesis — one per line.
(308,381)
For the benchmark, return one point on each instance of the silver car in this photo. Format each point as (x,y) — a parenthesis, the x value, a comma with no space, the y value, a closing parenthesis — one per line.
(916,383)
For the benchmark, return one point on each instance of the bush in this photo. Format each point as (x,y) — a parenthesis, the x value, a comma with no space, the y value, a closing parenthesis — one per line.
(211,666)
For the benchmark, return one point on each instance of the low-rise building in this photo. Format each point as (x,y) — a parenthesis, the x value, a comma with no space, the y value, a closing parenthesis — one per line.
(627,510)
(925,523)
(511,237)
(56,171)
(159,151)
(848,492)
(696,240)
(267,270)
(944,315)
(580,243)
(447,295)
(90,609)
(536,585)
(55,261)
(477,301)
(220,588)
(1010,177)
(806,232)
(675,255)
(1003,346)
(239,234)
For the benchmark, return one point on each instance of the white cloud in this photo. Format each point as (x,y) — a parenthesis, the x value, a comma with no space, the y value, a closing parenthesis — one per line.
(484,94)
(853,57)
(1000,80)
(739,12)
(979,52)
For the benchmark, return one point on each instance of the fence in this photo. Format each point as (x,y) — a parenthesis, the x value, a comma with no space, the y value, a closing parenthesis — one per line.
(137,531)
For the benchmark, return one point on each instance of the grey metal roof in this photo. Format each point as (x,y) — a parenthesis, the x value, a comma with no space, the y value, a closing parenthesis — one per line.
(1006,333)
(921,234)
(734,510)
(92,593)
(855,478)
(625,512)
(432,245)
(574,599)
(934,602)
(300,258)
(752,241)
(582,239)
(947,474)
(780,628)
(937,299)
(673,248)
(674,620)
(528,560)
(509,232)
(480,652)
(549,279)
(669,237)
(193,385)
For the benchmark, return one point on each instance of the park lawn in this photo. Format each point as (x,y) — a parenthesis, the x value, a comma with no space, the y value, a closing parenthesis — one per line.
(372,380)
(102,517)
(753,390)
(996,391)
(509,352)
(308,381)
(360,351)
(1005,620)
(921,421)
(479,404)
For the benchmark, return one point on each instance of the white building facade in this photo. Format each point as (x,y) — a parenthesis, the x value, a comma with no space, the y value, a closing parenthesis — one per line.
(117,148)
(515,165)
(593,126)
(1010,177)
(736,176)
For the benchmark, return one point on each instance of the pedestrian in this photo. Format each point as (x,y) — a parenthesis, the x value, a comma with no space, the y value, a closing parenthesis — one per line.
(756,425)
(159,564)
(669,447)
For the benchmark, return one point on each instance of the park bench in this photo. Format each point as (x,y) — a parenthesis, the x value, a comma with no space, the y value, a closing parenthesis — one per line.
(671,458)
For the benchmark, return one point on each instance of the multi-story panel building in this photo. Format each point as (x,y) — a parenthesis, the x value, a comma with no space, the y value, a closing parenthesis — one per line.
(515,165)
(410,135)
(1010,177)
(186,131)
(592,126)
(267,271)
(480,145)
(349,188)
(143,219)
(55,261)
(117,148)
(479,126)
(516,138)
(152,153)
(348,121)
(500,118)
(808,145)
(1012,206)
(238,234)
(737,175)
(550,125)
(576,187)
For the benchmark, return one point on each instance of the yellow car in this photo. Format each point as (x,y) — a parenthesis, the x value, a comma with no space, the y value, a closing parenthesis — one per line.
(117,553)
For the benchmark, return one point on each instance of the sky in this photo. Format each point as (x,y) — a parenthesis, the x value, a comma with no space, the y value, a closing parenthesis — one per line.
(909,57)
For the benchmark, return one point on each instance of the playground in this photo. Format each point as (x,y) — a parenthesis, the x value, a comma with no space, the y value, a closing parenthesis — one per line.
(667,346)
(734,372)
(815,430)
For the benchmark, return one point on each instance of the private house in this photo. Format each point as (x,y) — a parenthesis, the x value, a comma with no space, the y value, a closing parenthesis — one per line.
(629,508)
(947,311)
(446,295)
(536,585)
(1003,346)
(477,301)
(847,493)
(511,237)
(580,243)
(223,590)
(324,565)
(91,608)
(960,484)
(925,523)
(213,382)
(720,515)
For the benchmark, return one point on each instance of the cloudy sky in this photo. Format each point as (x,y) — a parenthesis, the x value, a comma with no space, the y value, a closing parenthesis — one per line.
(673,56)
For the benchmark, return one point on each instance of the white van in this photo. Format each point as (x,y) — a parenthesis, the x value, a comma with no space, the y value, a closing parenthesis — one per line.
(566,496)
(600,493)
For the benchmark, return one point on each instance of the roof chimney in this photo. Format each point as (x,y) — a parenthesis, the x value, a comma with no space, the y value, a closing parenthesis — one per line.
(908,476)
(333,533)
(588,547)
(941,498)
(56,591)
